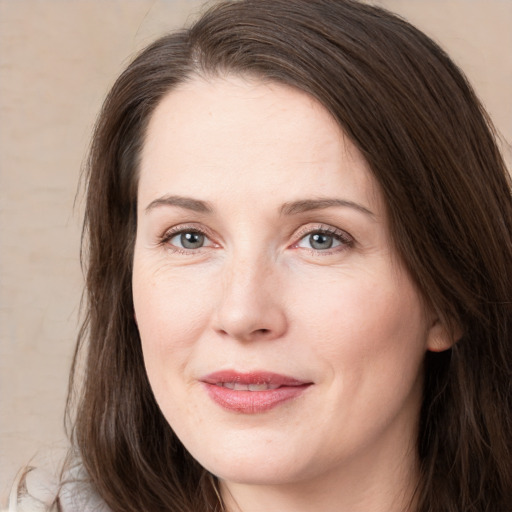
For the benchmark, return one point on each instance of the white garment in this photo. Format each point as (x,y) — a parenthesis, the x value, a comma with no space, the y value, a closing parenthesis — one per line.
(36,490)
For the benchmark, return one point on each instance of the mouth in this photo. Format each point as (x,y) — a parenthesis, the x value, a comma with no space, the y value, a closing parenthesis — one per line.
(254,392)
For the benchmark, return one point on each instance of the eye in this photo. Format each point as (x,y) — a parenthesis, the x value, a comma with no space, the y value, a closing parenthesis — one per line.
(325,239)
(186,239)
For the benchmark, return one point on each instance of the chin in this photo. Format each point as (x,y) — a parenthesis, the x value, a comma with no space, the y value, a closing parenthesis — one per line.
(260,462)
(256,471)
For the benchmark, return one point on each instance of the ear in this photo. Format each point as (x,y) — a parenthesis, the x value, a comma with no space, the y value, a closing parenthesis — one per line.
(441,336)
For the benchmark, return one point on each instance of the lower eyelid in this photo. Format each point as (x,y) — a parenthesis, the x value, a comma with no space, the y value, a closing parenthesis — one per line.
(339,247)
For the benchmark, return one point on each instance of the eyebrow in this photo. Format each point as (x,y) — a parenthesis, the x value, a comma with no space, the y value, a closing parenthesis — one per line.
(290,208)
(306,205)
(182,202)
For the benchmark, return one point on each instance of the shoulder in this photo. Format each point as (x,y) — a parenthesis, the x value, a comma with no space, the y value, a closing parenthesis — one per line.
(37,490)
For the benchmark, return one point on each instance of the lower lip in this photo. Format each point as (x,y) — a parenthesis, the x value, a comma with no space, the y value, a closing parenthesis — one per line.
(253,402)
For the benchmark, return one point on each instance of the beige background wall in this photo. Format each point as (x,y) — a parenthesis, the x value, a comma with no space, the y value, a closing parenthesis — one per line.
(57,59)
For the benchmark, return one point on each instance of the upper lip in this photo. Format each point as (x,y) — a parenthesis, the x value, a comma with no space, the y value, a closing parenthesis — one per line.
(252,377)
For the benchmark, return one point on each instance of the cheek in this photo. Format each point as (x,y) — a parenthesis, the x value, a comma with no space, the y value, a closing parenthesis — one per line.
(370,327)
(172,312)
(369,346)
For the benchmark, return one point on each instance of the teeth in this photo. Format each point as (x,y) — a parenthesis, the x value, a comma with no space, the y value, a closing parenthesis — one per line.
(235,386)
(260,387)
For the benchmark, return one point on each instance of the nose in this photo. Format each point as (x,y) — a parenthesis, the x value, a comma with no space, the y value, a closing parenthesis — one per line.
(251,306)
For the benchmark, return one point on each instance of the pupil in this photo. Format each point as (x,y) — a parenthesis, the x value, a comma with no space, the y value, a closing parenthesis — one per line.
(321,241)
(192,240)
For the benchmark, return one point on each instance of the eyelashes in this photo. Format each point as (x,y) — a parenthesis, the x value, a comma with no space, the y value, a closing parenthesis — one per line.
(318,239)
(187,239)
(323,239)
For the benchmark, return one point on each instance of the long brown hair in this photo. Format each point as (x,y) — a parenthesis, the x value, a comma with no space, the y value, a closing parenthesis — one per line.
(431,148)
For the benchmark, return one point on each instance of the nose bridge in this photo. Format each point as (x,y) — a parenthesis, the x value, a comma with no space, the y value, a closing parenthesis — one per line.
(250,305)
(245,269)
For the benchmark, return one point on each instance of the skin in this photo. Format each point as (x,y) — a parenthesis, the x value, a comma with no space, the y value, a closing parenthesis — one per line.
(258,296)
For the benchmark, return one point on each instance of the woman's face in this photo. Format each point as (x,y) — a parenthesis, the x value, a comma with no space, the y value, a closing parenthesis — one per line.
(281,335)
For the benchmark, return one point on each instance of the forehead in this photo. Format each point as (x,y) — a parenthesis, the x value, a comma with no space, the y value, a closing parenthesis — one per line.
(248,136)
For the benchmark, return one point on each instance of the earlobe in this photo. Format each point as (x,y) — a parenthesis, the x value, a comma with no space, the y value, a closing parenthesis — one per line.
(441,337)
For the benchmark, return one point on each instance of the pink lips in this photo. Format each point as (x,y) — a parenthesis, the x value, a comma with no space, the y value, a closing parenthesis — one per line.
(254,392)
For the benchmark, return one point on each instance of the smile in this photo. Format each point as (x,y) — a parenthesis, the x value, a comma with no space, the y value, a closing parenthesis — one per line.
(252,393)
(236,386)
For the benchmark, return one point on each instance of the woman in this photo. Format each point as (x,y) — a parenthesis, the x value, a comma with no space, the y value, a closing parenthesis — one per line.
(299,240)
